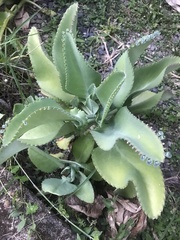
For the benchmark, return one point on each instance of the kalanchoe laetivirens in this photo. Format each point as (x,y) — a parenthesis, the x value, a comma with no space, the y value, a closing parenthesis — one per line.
(108,141)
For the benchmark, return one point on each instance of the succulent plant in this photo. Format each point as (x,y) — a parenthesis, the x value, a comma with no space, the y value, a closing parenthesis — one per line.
(110,143)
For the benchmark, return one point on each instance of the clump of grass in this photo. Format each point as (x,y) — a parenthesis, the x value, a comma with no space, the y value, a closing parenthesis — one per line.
(16,80)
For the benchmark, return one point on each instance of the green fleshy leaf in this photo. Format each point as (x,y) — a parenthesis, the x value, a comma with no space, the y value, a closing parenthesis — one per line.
(121,165)
(66,129)
(145,101)
(108,89)
(45,71)
(82,148)
(124,65)
(150,76)
(89,167)
(39,112)
(59,187)
(17,108)
(79,75)
(15,123)
(10,150)
(128,192)
(69,21)
(92,106)
(141,44)
(86,192)
(43,161)
(79,115)
(128,127)
(41,134)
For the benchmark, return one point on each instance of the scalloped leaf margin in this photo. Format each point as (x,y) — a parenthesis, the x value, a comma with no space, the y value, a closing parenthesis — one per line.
(121,165)
(126,126)
(45,71)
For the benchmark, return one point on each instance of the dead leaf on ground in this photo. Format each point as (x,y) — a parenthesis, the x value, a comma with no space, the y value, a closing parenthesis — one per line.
(93,210)
(22,18)
(124,210)
(141,224)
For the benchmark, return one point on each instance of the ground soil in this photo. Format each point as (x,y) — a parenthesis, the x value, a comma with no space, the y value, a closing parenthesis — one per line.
(48,225)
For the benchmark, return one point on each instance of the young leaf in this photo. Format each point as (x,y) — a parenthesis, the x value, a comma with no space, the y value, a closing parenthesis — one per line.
(86,192)
(128,127)
(121,165)
(43,161)
(59,187)
(21,224)
(79,75)
(45,71)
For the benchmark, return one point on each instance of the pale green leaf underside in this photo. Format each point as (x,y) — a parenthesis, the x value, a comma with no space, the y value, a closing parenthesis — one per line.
(145,101)
(59,187)
(45,71)
(124,65)
(10,150)
(41,134)
(79,75)
(128,127)
(18,120)
(43,161)
(39,112)
(86,192)
(69,21)
(150,76)
(121,165)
